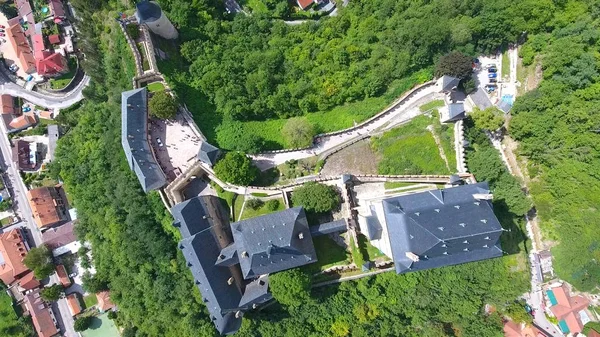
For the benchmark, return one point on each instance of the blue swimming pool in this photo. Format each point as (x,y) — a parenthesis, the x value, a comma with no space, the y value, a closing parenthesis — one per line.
(551,297)
(563,326)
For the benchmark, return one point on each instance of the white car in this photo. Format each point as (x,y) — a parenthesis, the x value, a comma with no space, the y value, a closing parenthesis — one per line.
(160,144)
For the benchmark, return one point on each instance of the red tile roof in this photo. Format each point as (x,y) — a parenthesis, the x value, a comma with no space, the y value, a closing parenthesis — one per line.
(8,106)
(51,64)
(41,315)
(21,47)
(61,272)
(38,45)
(512,329)
(593,333)
(568,308)
(46,205)
(104,302)
(54,39)
(23,122)
(74,304)
(304,3)
(13,251)
(57,8)
(46,114)
(29,281)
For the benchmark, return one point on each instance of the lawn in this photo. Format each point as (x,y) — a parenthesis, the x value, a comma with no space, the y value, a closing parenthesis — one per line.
(5,221)
(63,80)
(9,320)
(155,87)
(445,133)
(388,185)
(252,213)
(329,254)
(145,64)
(505,64)
(369,252)
(237,206)
(438,103)
(101,327)
(90,300)
(409,149)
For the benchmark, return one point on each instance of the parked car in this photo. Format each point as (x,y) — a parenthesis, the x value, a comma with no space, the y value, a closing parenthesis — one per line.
(492,75)
(1,26)
(2,34)
(1,30)
(493,80)
(528,308)
(26,109)
(160,144)
(29,78)
(13,67)
(492,70)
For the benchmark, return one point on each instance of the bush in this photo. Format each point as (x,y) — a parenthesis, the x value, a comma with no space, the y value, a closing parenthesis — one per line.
(315,197)
(112,314)
(82,323)
(133,30)
(272,205)
(255,203)
(162,105)
(236,168)
(298,133)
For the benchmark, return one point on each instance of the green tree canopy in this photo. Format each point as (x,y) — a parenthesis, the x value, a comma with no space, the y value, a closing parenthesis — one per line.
(455,64)
(236,168)
(39,259)
(316,197)
(298,133)
(290,287)
(489,119)
(162,105)
(52,293)
(83,323)
(93,283)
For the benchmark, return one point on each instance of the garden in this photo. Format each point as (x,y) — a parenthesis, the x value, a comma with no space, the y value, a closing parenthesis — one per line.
(63,80)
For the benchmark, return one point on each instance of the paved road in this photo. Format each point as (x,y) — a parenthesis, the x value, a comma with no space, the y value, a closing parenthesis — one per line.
(401,114)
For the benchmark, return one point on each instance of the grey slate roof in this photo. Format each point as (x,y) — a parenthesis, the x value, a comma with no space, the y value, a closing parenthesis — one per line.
(504,106)
(442,227)
(273,242)
(147,11)
(53,135)
(448,83)
(456,111)
(208,154)
(134,138)
(191,216)
(329,227)
(256,293)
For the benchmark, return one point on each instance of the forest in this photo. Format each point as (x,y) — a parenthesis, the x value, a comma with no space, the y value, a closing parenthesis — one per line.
(134,245)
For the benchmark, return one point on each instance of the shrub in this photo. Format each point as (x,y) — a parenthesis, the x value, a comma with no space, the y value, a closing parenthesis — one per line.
(273,205)
(236,168)
(82,323)
(316,197)
(255,203)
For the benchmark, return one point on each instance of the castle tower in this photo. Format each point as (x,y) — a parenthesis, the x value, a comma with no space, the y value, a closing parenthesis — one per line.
(149,13)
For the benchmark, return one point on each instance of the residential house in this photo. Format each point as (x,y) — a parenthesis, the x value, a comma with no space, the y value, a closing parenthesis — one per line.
(54,39)
(593,333)
(13,249)
(25,155)
(569,310)
(134,139)
(546,262)
(22,122)
(104,303)
(512,329)
(18,42)
(435,228)
(61,239)
(74,304)
(8,104)
(41,314)
(230,263)
(51,64)
(63,277)
(304,4)
(25,16)
(58,11)
(47,206)
(46,114)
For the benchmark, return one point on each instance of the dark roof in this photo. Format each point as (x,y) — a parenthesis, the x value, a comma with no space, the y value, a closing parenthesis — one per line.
(329,227)
(504,106)
(448,83)
(59,236)
(191,216)
(148,11)
(273,242)
(456,111)
(134,138)
(208,154)
(442,227)
(256,292)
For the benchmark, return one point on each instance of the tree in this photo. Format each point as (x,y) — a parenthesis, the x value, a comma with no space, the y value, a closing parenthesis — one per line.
(316,197)
(489,119)
(290,287)
(52,293)
(236,168)
(162,105)
(39,259)
(93,283)
(455,64)
(254,203)
(272,205)
(83,323)
(298,133)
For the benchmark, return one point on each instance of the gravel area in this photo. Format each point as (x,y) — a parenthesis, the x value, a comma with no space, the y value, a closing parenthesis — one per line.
(355,159)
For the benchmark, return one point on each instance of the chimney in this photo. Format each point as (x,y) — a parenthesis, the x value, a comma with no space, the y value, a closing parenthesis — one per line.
(301,236)
(481,196)
(414,257)
(230,281)
(238,314)
(244,254)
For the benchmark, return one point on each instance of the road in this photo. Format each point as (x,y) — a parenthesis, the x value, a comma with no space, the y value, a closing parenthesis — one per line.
(403,112)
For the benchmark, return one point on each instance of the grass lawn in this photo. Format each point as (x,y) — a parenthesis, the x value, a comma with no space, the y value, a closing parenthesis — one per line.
(505,64)
(145,64)
(5,221)
(9,320)
(237,206)
(388,185)
(155,87)
(251,213)
(438,103)
(369,252)
(101,327)
(64,79)
(409,149)
(90,300)
(329,254)
(445,133)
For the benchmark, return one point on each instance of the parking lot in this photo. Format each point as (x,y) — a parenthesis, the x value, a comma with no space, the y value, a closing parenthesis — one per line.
(174,144)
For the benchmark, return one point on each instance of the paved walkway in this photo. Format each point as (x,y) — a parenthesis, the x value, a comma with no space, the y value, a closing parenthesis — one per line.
(402,113)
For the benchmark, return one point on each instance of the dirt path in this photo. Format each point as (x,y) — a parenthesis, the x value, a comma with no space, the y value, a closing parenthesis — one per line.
(358,158)
(439,145)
